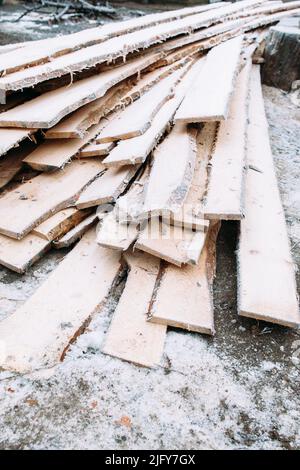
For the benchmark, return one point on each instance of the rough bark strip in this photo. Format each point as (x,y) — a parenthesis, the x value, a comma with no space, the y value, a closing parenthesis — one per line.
(76,233)
(130,337)
(266,272)
(60,223)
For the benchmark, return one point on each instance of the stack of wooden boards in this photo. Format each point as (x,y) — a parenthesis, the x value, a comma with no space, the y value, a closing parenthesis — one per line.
(138,138)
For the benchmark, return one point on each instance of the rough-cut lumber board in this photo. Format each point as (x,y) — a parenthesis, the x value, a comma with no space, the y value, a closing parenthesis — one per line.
(191,214)
(173,244)
(34,201)
(171,173)
(12,163)
(75,125)
(209,96)
(184,295)
(271,7)
(75,233)
(47,109)
(225,192)
(116,47)
(266,287)
(136,150)
(96,150)
(18,255)
(38,334)
(130,337)
(129,206)
(10,138)
(114,235)
(54,154)
(43,51)
(138,116)
(60,223)
(107,188)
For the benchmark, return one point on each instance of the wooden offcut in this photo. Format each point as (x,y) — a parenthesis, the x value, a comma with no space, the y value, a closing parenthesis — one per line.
(60,223)
(96,150)
(76,232)
(114,235)
(10,138)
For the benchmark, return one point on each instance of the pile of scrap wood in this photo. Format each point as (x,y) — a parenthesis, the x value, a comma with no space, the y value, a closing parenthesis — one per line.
(137,138)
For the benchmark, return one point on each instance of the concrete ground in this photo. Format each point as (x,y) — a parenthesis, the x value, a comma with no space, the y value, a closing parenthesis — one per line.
(238,390)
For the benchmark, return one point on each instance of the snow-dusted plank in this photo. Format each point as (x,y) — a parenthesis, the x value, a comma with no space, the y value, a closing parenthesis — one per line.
(117,47)
(49,108)
(18,255)
(138,116)
(38,334)
(34,201)
(37,52)
(130,337)
(107,188)
(54,154)
(115,235)
(184,295)
(60,223)
(136,150)
(174,244)
(96,150)
(209,96)
(10,138)
(191,214)
(266,272)
(172,172)
(225,193)
(76,233)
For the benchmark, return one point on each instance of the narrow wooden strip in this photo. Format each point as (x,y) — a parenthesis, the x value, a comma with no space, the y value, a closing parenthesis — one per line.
(184,297)
(19,255)
(174,244)
(76,233)
(209,96)
(138,116)
(49,108)
(10,138)
(117,47)
(60,223)
(266,287)
(130,337)
(171,173)
(12,163)
(226,184)
(38,334)
(129,206)
(114,235)
(34,201)
(96,150)
(107,188)
(136,150)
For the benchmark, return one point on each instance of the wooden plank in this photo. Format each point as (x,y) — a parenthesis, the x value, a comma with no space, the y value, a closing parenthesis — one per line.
(96,150)
(130,337)
(224,198)
(19,255)
(107,188)
(38,334)
(173,244)
(136,150)
(114,235)
(191,214)
(60,223)
(76,233)
(10,138)
(55,154)
(209,96)
(34,201)
(138,116)
(129,206)
(37,52)
(266,272)
(171,173)
(49,108)
(12,163)
(117,47)
(271,7)
(184,296)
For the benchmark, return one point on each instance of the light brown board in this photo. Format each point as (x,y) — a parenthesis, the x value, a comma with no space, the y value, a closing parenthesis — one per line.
(226,184)
(96,150)
(60,223)
(75,233)
(130,337)
(266,272)
(114,235)
(38,334)
(34,201)
(10,138)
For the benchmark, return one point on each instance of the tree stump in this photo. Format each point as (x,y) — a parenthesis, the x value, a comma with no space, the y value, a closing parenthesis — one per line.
(282,55)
